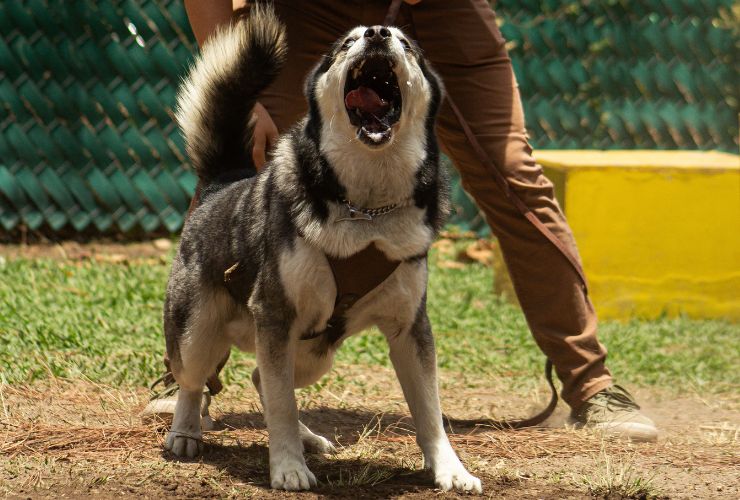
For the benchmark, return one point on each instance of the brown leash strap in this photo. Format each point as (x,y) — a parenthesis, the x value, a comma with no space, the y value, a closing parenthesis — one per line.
(503,184)
(511,195)
(392,14)
(533,421)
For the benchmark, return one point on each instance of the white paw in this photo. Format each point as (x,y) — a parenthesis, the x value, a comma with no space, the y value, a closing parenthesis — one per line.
(458,479)
(184,445)
(313,443)
(291,475)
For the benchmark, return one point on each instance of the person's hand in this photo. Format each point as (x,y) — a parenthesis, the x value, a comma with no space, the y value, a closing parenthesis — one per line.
(265,135)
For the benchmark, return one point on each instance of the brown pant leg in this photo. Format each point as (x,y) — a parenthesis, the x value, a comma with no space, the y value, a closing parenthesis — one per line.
(467,50)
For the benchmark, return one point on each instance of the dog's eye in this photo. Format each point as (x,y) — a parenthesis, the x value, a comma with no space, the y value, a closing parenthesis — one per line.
(349,42)
(405,43)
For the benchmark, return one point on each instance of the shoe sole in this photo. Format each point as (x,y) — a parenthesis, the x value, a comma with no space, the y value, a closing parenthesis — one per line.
(633,431)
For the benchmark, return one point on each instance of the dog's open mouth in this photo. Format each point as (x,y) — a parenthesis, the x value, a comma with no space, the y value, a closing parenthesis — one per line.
(373,99)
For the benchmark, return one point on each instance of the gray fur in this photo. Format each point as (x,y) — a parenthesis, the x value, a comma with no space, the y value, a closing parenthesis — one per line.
(272,232)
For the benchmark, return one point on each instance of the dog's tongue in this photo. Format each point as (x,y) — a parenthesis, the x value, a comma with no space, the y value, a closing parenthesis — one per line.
(366,100)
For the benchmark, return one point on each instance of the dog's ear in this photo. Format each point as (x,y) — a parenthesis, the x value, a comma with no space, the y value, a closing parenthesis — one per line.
(313,125)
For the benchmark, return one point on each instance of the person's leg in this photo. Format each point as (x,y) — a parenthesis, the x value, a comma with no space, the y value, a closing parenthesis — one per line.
(468,51)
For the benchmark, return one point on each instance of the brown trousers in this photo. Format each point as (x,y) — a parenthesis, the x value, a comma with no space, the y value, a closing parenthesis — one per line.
(465,46)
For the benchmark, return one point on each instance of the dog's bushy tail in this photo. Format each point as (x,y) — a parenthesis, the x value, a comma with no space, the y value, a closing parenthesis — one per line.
(215,101)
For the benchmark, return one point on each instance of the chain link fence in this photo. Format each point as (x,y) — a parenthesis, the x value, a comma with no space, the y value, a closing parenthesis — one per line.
(88,143)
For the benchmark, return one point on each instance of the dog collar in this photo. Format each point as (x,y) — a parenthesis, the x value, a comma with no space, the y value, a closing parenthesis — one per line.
(362,213)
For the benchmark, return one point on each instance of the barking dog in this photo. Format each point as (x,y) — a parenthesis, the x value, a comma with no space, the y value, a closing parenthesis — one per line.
(359,174)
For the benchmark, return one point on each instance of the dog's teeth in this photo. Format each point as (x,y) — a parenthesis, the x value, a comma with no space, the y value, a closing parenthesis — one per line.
(355,73)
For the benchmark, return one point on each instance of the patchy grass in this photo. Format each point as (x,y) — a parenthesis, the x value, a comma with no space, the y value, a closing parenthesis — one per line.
(101,320)
(617,476)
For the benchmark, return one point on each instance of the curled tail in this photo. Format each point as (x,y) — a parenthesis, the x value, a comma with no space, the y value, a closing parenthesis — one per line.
(215,101)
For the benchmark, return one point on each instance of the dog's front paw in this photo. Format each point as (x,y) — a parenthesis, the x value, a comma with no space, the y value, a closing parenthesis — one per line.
(457,478)
(291,475)
(184,445)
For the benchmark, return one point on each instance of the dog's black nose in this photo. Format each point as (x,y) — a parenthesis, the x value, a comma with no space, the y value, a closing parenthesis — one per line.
(377,33)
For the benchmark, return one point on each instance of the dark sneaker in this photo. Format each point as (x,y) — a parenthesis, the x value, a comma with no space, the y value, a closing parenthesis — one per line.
(614,412)
(161,405)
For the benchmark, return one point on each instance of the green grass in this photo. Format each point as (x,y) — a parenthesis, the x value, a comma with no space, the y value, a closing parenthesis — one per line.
(103,322)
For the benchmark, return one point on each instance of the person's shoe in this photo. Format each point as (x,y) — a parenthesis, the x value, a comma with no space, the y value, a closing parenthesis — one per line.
(161,406)
(615,412)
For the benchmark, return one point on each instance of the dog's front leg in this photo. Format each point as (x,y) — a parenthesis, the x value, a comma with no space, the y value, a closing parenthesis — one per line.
(276,361)
(414,359)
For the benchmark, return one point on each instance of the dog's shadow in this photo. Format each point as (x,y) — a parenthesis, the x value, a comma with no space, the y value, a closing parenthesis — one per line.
(359,471)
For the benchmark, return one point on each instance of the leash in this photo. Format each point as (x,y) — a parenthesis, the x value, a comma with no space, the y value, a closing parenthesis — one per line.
(522,207)
(392,14)
(532,421)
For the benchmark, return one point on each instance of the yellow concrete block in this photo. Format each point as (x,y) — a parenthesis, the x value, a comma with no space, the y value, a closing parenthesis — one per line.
(658,231)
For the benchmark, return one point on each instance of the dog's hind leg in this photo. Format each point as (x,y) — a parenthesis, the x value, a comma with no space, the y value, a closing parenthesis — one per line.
(199,350)
(308,369)
(414,359)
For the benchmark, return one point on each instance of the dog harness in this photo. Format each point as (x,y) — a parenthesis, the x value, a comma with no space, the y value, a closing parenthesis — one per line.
(354,276)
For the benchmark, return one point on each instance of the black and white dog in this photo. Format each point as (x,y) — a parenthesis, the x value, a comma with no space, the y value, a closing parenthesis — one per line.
(367,141)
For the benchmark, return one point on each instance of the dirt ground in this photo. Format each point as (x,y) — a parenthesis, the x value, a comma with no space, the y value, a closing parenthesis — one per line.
(78,440)
(104,251)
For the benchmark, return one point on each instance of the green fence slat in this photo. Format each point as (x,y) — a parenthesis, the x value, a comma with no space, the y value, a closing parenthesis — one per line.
(169,187)
(21,18)
(127,191)
(29,182)
(126,221)
(56,188)
(80,191)
(11,101)
(9,217)
(6,23)
(10,187)
(149,191)
(103,190)
(9,63)
(20,142)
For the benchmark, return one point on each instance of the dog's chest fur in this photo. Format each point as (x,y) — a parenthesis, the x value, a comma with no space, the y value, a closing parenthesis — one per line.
(305,273)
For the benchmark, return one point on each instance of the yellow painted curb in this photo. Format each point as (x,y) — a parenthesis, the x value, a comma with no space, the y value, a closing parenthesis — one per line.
(658,231)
